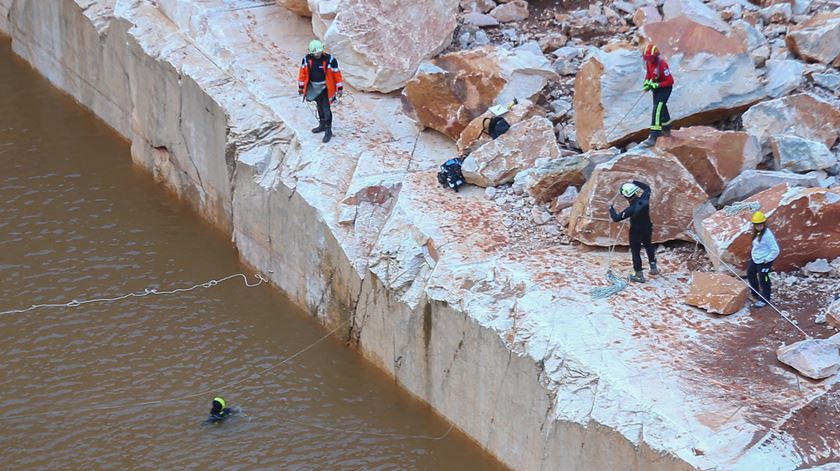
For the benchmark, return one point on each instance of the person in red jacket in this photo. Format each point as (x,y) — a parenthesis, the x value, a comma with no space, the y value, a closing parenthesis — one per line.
(658,78)
(320,80)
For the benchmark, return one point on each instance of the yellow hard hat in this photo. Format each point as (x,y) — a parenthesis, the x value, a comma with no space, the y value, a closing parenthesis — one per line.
(220,401)
(759,218)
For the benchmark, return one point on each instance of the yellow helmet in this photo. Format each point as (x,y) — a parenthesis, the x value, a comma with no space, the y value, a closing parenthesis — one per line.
(759,218)
(316,46)
(220,401)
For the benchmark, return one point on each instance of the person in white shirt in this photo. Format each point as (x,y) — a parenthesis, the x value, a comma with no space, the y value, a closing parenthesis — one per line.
(764,251)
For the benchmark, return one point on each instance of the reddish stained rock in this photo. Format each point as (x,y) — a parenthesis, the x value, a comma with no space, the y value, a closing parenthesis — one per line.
(298,7)
(804,221)
(713,157)
(817,40)
(716,292)
(547,182)
(452,90)
(473,136)
(499,160)
(675,195)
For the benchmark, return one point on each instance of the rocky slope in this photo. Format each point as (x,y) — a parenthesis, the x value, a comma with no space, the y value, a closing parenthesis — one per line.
(477,302)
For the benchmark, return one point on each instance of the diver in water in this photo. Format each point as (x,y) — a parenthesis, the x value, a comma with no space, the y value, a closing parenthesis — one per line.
(218,412)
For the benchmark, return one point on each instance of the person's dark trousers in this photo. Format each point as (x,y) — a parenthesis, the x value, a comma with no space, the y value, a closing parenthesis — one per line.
(661,119)
(759,282)
(637,241)
(324,112)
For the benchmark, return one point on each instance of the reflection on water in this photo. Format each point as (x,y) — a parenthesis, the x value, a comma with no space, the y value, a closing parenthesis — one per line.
(77,221)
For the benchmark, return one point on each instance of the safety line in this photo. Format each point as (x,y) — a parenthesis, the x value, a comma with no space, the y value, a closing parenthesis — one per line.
(208,391)
(146,292)
(205,392)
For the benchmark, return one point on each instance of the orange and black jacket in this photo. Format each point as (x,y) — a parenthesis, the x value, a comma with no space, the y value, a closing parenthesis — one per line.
(327,67)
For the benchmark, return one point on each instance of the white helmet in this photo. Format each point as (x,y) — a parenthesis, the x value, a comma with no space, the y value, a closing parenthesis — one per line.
(629,189)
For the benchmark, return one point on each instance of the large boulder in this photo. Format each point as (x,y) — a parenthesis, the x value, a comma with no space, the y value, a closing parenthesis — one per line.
(750,182)
(697,11)
(803,115)
(801,155)
(546,182)
(675,194)
(499,160)
(814,358)
(474,135)
(450,91)
(380,43)
(804,221)
(298,7)
(817,40)
(716,293)
(713,157)
(715,77)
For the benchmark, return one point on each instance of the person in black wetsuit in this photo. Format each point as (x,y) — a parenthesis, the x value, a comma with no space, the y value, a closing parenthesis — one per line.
(641,229)
(218,412)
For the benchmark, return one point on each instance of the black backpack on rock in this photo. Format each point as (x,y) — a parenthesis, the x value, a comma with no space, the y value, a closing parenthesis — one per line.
(495,126)
(450,175)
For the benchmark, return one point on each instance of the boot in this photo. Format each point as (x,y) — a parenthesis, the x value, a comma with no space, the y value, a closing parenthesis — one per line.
(653,269)
(759,304)
(666,132)
(649,142)
(327,133)
(322,125)
(637,277)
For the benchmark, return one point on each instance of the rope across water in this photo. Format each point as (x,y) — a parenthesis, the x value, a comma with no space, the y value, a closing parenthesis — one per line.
(208,391)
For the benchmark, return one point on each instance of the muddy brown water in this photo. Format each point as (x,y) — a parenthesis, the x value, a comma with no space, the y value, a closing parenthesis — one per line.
(78,221)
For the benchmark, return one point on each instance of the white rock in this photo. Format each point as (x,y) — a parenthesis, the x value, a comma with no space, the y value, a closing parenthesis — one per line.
(566,200)
(564,67)
(508,222)
(561,107)
(696,11)
(480,19)
(750,182)
(783,76)
(490,192)
(819,265)
(748,33)
(829,80)
(498,161)
(516,10)
(801,155)
(777,13)
(568,53)
(800,7)
(814,358)
(364,35)
(760,55)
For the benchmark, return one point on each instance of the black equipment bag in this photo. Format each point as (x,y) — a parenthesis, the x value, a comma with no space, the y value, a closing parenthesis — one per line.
(450,175)
(495,126)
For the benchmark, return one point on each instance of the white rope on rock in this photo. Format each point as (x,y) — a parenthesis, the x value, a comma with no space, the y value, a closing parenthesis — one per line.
(144,293)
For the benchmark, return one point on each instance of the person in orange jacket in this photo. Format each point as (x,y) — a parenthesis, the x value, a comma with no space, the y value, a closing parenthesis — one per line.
(320,80)
(658,78)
